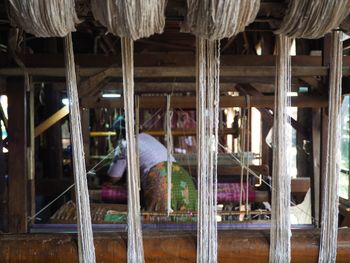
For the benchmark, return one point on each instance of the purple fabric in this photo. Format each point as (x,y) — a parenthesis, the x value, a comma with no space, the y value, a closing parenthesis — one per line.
(117,194)
(230,192)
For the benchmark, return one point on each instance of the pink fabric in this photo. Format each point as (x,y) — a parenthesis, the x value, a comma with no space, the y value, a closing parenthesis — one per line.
(230,192)
(116,194)
(227,193)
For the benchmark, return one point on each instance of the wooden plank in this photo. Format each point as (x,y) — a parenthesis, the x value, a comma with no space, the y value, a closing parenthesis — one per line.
(189,102)
(167,246)
(175,132)
(17,164)
(60,114)
(300,185)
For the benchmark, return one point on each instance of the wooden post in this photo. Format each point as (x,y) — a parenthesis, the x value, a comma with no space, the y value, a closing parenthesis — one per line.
(17,140)
(31,153)
(316,157)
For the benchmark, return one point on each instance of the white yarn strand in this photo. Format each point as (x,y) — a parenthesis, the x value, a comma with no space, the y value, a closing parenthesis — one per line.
(42,18)
(280,232)
(313,18)
(85,236)
(207,134)
(57,18)
(130,18)
(169,143)
(217,19)
(135,244)
(329,218)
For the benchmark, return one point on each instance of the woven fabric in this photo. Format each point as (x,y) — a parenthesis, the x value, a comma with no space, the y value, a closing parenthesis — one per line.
(230,193)
(227,193)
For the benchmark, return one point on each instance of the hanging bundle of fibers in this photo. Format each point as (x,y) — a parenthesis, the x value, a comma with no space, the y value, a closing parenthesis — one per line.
(131,20)
(210,21)
(280,232)
(329,218)
(169,144)
(42,18)
(219,19)
(57,18)
(313,18)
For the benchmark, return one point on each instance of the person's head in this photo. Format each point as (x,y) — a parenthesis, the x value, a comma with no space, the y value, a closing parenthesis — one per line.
(119,127)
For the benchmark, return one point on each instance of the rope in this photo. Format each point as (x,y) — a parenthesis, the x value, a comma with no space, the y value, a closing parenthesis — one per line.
(329,218)
(280,232)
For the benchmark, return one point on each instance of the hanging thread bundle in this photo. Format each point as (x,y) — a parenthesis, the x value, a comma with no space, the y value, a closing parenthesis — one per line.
(131,20)
(42,18)
(57,18)
(313,18)
(215,20)
(280,232)
(211,21)
(169,144)
(329,218)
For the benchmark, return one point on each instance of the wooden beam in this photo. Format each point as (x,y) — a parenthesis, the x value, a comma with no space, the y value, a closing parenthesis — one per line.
(175,72)
(174,132)
(233,246)
(189,102)
(250,90)
(17,164)
(59,115)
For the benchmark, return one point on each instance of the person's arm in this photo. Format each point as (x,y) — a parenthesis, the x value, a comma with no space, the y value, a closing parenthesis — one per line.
(117,170)
(118,167)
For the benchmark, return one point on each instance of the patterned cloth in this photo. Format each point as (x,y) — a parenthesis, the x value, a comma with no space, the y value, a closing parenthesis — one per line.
(183,192)
(230,193)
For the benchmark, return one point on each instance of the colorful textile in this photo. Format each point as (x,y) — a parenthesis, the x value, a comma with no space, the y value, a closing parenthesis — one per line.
(118,194)
(183,193)
(227,193)
(230,193)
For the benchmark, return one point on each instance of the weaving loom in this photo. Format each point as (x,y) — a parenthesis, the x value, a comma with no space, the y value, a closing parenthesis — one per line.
(230,175)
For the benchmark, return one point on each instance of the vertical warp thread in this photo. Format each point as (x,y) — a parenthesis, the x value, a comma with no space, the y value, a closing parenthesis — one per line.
(169,144)
(280,232)
(207,134)
(135,244)
(85,236)
(329,217)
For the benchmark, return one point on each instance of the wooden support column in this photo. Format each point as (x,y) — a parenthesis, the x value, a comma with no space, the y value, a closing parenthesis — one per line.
(316,157)
(17,140)
(31,152)
(53,157)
